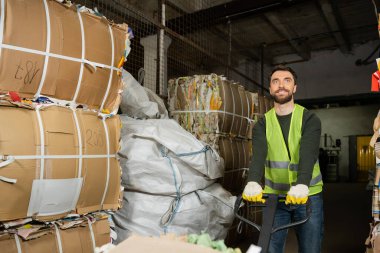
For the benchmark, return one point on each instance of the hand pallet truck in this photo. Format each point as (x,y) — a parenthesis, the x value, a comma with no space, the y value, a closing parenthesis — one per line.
(266,229)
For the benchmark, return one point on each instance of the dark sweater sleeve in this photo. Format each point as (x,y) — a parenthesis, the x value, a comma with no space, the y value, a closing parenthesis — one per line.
(309,149)
(260,149)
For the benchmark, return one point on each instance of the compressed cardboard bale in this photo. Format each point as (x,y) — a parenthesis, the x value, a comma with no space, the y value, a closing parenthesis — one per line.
(262,107)
(267,102)
(94,143)
(240,154)
(54,160)
(253,102)
(45,243)
(102,232)
(245,112)
(83,63)
(237,109)
(225,124)
(248,155)
(206,104)
(226,151)
(7,243)
(77,239)
(236,154)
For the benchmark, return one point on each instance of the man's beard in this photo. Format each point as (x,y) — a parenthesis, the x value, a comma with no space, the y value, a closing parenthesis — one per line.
(282,100)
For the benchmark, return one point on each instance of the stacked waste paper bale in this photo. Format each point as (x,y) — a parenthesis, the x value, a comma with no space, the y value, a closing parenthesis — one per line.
(169,176)
(221,113)
(59,174)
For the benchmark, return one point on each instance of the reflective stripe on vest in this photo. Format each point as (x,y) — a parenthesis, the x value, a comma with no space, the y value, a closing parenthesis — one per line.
(316,180)
(276,186)
(286,187)
(281,165)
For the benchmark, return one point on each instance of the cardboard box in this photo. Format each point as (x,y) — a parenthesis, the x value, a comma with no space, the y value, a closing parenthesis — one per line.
(70,167)
(68,73)
(139,244)
(73,240)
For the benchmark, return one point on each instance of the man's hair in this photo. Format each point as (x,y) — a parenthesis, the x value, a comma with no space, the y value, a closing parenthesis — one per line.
(284,68)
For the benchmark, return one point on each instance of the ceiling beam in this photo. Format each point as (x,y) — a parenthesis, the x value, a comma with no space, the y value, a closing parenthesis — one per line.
(334,22)
(222,34)
(222,13)
(236,44)
(287,59)
(301,47)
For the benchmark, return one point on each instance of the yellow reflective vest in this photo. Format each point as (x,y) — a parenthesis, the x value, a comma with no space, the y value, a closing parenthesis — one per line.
(280,171)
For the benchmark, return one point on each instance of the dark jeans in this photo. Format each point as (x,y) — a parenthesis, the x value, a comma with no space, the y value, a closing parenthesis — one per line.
(309,234)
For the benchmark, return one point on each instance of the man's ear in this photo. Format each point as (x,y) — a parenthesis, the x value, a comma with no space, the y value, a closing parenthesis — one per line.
(295,88)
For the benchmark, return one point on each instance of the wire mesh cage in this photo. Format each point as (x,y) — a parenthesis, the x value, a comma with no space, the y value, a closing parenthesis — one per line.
(184,32)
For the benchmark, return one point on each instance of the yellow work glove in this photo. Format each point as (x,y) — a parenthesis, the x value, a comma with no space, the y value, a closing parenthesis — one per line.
(253,192)
(297,195)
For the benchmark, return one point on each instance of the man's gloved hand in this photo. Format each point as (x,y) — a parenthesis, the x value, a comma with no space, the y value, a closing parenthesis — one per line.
(253,192)
(297,194)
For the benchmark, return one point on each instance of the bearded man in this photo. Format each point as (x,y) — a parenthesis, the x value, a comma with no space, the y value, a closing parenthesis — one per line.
(285,152)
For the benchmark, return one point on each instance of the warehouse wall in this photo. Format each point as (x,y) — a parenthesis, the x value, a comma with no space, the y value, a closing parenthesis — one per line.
(328,73)
(331,73)
(344,121)
(251,69)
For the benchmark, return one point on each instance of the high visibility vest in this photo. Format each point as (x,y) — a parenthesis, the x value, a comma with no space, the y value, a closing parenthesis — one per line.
(280,171)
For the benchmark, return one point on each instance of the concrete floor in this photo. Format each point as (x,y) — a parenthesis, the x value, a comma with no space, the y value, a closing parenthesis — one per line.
(347,216)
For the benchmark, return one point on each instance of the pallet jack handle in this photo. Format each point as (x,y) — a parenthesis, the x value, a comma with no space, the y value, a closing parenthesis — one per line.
(266,230)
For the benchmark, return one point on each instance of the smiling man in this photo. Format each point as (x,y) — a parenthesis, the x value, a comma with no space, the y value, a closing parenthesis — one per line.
(286,148)
(282,86)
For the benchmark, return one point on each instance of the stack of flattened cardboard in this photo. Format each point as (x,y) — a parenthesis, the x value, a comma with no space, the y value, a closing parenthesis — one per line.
(58,158)
(79,236)
(49,49)
(236,154)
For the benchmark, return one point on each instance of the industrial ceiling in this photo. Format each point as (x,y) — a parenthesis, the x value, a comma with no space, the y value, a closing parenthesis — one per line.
(280,27)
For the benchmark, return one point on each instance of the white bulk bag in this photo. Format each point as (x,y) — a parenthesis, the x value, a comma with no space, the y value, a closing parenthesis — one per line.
(209,210)
(149,139)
